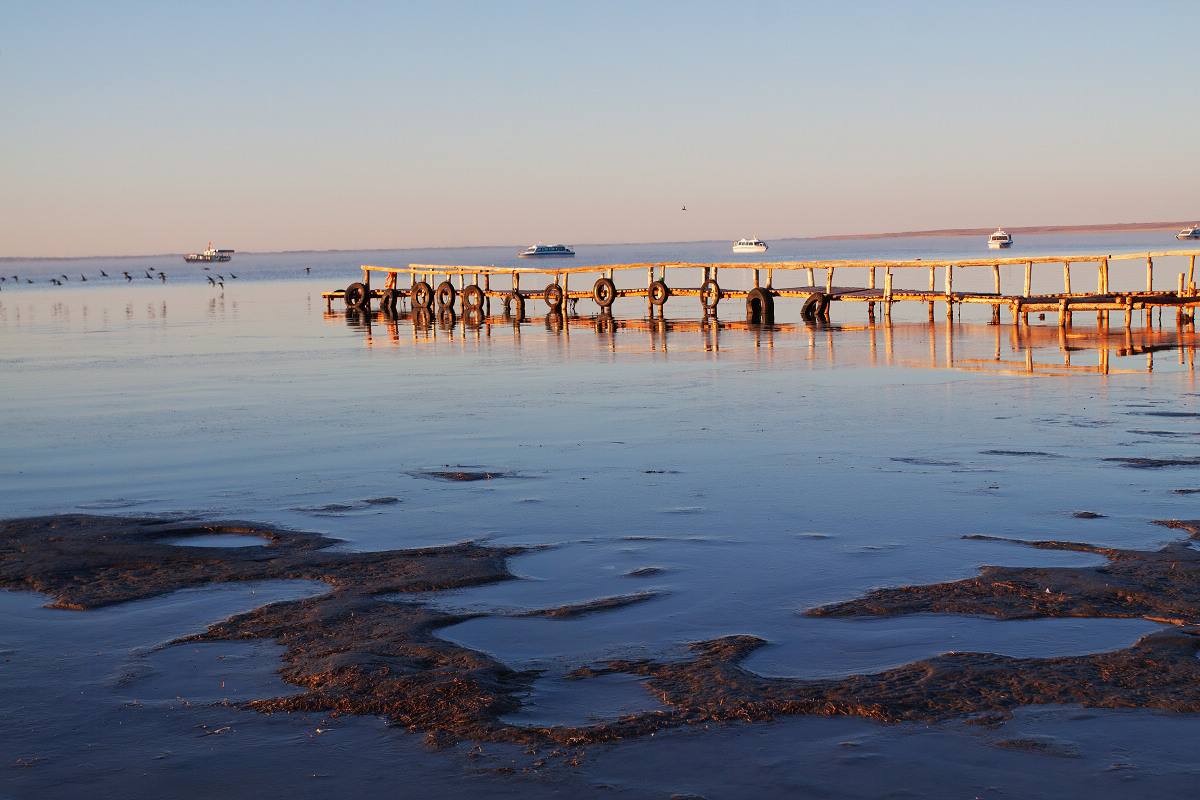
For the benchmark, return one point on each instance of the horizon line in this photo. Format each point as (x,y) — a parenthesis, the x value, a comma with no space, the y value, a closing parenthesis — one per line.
(938,232)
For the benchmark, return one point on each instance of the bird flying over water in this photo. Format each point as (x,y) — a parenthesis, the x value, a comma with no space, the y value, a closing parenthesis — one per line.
(233,276)
(162,276)
(128,277)
(684,208)
(82,277)
(103,274)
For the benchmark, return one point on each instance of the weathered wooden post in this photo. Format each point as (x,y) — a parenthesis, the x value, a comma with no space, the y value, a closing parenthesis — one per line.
(1028,278)
(887,292)
(812,278)
(871,278)
(949,290)
(1149,274)
(829,280)
(1066,277)
(996,278)
(1102,276)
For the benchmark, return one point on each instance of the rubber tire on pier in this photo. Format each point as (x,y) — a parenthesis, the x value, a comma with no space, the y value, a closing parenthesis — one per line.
(387,301)
(517,303)
(659,293)
(472,297)
(553,295)
(815,307)
(422,295)
(446,295)
(604,292)
(760,306)
(357,296)
(710,295)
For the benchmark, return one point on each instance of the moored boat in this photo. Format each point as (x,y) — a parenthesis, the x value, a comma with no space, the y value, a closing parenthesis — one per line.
(1189,233)
(1000,240)
(547,251)
(209,255)
(751,245)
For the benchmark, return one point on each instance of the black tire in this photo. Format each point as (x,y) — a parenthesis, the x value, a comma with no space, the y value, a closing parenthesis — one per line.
(815,307)
(517,303)
(604,292)
(422,295)
(659,293)
(472,297)
(446,295)
(553,295)
(760,306)
(387,301)
(358,296)
(710,295)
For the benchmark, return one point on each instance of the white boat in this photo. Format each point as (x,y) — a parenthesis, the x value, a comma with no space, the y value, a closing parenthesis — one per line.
(547,251)
(1189,233)
(210,255)
(999,240)
(750,246)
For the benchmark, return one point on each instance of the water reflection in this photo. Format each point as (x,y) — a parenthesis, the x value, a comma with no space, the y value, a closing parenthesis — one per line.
(1001,349)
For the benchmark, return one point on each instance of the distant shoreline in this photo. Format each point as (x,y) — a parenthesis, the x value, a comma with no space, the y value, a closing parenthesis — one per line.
(1092,228)
(1106,227)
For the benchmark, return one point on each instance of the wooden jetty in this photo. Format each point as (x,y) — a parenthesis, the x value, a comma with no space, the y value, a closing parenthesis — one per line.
(468,290)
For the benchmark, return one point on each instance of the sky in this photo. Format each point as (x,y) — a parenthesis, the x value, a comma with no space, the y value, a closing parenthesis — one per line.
(154,127)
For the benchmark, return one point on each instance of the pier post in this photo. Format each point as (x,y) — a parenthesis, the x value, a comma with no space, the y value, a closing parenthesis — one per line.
(887,293)
(812,278)
(1028,278)
(871,278)
(1180,292)
(770,276)
(1067,277)
(1191,281)
(1062,313)
(829,280)
(1102,277)
(932,279)
(996,278)
(949,291)
(756,283)
(1149,274)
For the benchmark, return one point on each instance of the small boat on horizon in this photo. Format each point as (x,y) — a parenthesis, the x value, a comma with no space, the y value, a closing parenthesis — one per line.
(1189,233)
(540,250)
(210,255)
(751,245)
(1000,240)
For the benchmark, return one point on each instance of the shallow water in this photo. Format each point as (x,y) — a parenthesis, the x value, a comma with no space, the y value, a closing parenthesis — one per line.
(756,472)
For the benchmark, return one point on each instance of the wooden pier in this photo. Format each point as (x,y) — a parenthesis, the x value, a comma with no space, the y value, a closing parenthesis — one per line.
(468,290)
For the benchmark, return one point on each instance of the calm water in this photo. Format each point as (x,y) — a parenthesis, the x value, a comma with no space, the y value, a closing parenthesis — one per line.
(762,470)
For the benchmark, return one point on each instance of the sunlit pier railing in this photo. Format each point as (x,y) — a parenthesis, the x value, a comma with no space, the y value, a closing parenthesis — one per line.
(469,289)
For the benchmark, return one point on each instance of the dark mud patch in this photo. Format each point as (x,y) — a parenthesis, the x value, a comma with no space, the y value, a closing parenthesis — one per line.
(461,476)
(1172,414)
(644,572)
(574,610)
(1156,463)
(1028,453)
(1161,585)
(1044,745)
(1087,515)
(660,471)
(334,509)
(925,462)
(1168,434)
(381,501)
(1185,491)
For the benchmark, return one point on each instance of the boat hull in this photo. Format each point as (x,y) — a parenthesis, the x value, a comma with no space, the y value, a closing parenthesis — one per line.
(545,255)
(1186,236)
(999,245)
(207,259)
(750,248)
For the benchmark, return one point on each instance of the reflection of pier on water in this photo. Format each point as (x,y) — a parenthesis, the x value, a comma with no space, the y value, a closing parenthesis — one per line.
(975,347)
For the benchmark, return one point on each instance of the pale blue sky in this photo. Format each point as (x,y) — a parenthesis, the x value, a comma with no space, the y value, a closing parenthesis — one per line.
(134,127)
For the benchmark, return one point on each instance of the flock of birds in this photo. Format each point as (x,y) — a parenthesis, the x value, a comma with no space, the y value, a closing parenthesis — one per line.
(216,279)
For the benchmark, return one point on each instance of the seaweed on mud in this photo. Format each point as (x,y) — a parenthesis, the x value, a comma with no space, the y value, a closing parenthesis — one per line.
(1161,585)
(354,651)
(1156,463)
(461,476)
(573,610)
